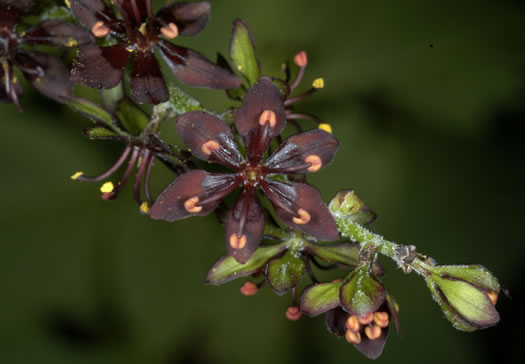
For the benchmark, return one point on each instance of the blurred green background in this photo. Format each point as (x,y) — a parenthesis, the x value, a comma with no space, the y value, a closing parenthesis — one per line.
(426,98)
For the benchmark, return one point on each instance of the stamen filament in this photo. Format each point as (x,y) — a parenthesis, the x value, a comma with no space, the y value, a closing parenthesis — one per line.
(147,179)
(298,79)
(127,173)
(300,97)
(110,171)
(295,116)
(146,155)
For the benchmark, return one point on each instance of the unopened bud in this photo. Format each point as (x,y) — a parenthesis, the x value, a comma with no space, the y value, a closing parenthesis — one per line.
(293,313)
(467,295)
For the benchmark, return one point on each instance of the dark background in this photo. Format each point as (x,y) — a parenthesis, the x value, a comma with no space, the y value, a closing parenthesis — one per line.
(426,98)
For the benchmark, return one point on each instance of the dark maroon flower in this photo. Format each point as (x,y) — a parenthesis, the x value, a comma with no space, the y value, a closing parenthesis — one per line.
(46,72)
(261,118)
(138,34)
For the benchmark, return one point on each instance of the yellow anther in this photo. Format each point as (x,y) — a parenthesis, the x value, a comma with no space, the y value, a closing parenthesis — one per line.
(373,332)
(171,31)
(304,217)
(238,243)
(366,319)
(144,207)
(99,30)
(315,162)
(239,67)
(107,187)
(352,324)
(326,127)
(191,205)
(76,175)
(353,337)
(381,319)
(142,29)
(493,296)
(318,83)
(209,146)
(268,116)
(71,43)
(68,3)
(15,79)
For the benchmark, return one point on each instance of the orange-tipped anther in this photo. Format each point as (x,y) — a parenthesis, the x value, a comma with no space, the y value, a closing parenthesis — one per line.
(315,162)
(301,59)
(352,324)
(373,332)
(268,116)
(99,30)
(238,243)
(249,288)
(208,147)
(381,319)
(304,217)
(366,319)
(191,205)
(493,296)
(353,337)
(293,313)
(171,31)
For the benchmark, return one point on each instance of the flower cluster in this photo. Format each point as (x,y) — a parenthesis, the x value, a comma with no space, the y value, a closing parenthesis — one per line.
(278,246)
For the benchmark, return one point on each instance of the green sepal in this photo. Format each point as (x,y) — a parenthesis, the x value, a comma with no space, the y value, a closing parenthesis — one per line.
(346,204)
(90,110)
(178,103)
(236,93)
(100,132)
(242,52)
(285,272)
(475,274)
(345,253)
(319,298)
(361,293)
(227,268)
(131,117)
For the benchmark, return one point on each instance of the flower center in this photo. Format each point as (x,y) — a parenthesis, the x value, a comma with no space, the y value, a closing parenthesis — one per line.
(252,175)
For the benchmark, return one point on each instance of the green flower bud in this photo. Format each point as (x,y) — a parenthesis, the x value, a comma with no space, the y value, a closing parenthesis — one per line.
(467,295)
(346,204)
(361,293)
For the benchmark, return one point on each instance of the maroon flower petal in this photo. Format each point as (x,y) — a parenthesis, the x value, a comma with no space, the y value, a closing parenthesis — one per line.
(194,69)
(262,109)
(372,349)
(91,11)
(147,83)
(190,18)
(193,193)
(59,33)
(303,153)
(134,12)
(54,79)
(301,206)
(335,321)
(244,226)
(100,67)
(209,138)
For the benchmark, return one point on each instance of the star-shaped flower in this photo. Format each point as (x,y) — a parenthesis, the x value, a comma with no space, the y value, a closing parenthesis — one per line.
(139,33)
(261,118)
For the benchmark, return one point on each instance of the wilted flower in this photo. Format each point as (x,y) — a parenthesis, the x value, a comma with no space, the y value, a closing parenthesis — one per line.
(46,72)
(467,295)
(138,34)
(143,147)
(260,119)
(358,308)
